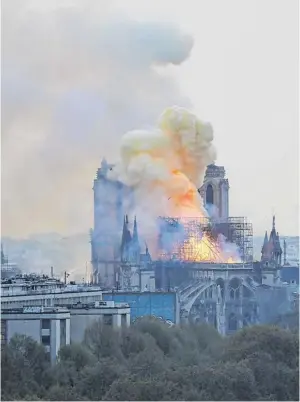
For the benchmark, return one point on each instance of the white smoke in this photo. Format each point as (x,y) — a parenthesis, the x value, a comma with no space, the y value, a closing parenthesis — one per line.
(75,76)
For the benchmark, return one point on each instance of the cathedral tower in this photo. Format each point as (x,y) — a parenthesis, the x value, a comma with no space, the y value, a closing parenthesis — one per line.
(111,198)
(215,192)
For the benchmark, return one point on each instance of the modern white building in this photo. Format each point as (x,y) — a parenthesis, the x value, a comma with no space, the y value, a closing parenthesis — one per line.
(55,327)
(48,326)
(110,313)
(53,313)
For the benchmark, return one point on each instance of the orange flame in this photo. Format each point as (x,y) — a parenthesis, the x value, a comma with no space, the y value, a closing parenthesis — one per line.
(205,250)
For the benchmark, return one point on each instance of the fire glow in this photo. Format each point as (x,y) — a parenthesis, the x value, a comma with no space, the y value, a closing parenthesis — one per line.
(206,250)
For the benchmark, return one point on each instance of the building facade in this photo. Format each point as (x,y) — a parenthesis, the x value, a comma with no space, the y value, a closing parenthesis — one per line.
(109,313)
(47,326)
(111,201)
(19,293)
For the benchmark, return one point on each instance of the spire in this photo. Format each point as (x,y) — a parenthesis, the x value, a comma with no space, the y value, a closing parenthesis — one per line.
(264,247)
(135,232)
(126,237)
(273,235)
(135,242)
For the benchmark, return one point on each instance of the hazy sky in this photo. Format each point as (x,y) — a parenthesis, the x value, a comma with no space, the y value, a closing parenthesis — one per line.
(241,76)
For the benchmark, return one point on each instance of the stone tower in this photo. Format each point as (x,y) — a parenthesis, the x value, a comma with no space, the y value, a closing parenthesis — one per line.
(215,192)
(110,201)
(271,257)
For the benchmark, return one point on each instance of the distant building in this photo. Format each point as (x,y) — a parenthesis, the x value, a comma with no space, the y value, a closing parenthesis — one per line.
(8,269)
(48,326)
(289,272)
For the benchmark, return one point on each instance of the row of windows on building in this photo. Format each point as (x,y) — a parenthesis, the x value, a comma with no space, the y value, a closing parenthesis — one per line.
(54,300)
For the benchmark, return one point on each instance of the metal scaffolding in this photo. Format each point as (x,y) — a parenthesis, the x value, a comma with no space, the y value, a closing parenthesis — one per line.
(242,236)
(181,239)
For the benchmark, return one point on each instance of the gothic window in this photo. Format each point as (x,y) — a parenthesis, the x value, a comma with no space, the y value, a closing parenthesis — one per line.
(209,194)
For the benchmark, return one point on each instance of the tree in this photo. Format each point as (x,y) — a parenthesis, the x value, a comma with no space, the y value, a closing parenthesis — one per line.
(102,341)
(152,361)
(79,355)
(282,345)
(159,330)
(24,367)
(133,341)
(96,380)
(134,389)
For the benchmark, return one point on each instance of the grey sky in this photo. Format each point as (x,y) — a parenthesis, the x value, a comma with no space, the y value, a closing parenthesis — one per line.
(242,76)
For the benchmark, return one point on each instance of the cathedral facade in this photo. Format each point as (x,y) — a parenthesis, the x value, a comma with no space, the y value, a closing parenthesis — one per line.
(113,200)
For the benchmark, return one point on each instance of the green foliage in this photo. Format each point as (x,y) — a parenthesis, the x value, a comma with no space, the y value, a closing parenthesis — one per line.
(152,361)
(25,366)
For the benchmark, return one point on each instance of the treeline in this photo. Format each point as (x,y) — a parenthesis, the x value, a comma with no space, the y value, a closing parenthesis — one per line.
(151,361)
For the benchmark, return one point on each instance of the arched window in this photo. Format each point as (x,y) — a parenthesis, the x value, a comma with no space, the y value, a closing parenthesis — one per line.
(209,194)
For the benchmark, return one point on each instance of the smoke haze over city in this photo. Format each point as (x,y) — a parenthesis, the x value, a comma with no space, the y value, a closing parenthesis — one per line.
(77,75)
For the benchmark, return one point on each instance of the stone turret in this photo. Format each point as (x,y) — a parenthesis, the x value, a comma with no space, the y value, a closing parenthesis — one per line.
(271,254)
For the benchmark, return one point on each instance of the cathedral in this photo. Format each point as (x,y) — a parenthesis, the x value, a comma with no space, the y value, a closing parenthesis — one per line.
(113,200)
(247,292)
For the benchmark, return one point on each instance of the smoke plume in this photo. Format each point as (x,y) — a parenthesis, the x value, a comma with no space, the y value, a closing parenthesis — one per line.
(167,165)
(75,75)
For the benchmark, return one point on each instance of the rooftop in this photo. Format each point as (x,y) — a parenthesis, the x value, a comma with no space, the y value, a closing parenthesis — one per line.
(34,310)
